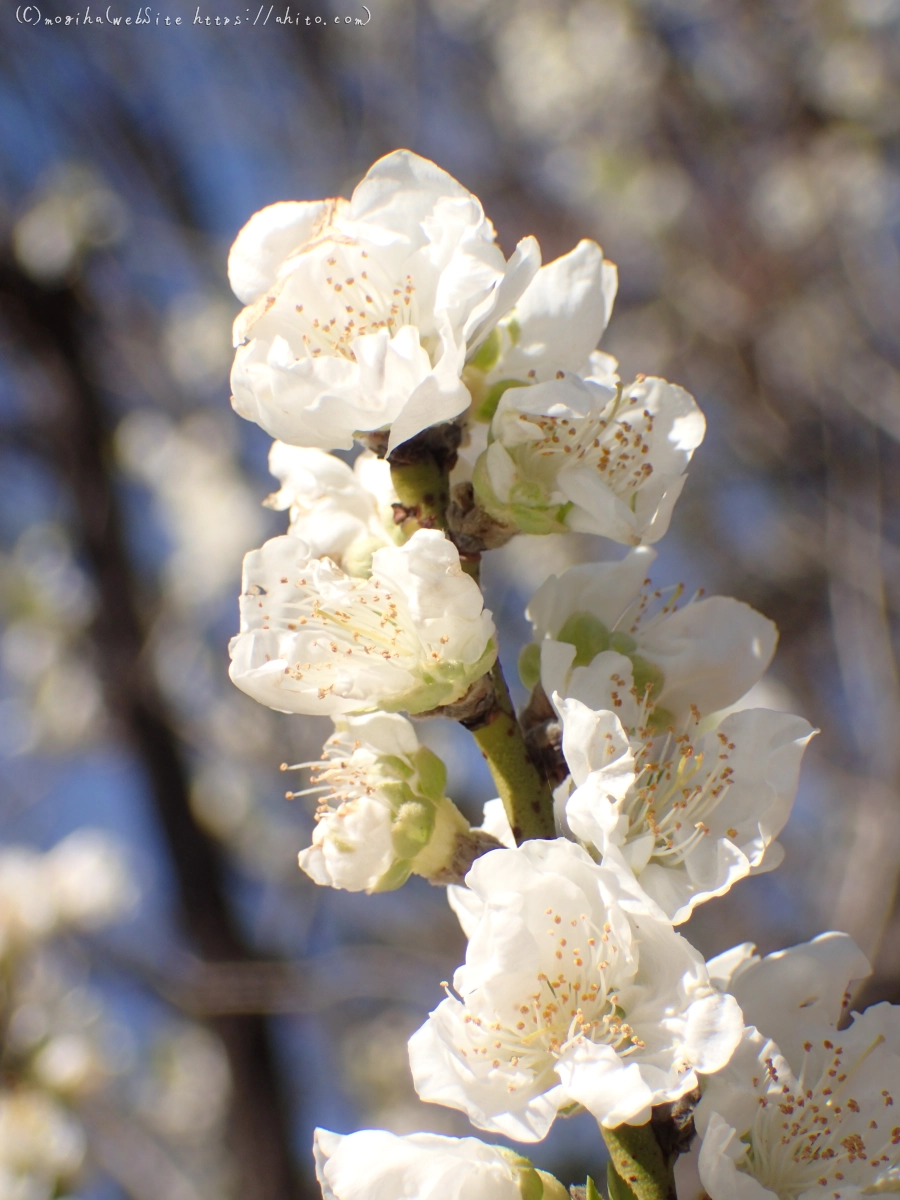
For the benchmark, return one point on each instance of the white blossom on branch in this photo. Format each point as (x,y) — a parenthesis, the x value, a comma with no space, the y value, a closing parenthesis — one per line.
(690,813)
(361,313)
(575,991)
(806,1108)
(382,812)
(315,640)
(375,1165)
(342,513)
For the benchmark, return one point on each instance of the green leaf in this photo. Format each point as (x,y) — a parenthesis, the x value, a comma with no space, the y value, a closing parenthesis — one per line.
(590,1190)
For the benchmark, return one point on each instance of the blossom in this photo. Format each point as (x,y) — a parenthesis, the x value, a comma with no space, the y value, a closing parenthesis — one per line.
(384,815)
(690,813)
(342,513)
(589,456)
(83,882)
(598,624)
(316,640)
(373,1164)
(575,990)
(808,1114)
(360,314)
(41,1145)
(554,326)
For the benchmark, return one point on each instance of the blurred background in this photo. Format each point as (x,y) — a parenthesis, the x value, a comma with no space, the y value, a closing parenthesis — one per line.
(738,159)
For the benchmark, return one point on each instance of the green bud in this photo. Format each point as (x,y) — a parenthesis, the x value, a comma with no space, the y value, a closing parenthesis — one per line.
(587,634)
(488,406)
(357,558)
(530,665)
(412,828)
(488,352)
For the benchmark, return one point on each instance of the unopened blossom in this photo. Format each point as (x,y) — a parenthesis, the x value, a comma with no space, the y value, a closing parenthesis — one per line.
(382,815)
(82,882)
(313,639)
(598,624)
(342,513)
(374,1165)
(589,456)
(360,314)
(813,1113)
(692,812)
(575,990)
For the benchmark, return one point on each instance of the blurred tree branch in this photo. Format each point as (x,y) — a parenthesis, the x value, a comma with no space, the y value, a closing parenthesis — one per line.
(54,327)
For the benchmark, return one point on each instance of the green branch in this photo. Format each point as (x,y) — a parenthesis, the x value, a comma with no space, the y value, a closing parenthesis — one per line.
(520,784)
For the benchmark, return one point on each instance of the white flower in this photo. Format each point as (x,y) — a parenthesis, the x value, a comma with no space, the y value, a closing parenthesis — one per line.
(813,1113)
(690,813)
(361,313)
(589,456)
(316,640)
(375,1165)
(342,513)
(599,622)
(575,991)
(40,1143)
(554,326)
(385,815)
(83,882)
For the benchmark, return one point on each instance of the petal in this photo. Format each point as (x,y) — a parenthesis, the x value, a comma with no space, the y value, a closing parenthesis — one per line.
(268,239)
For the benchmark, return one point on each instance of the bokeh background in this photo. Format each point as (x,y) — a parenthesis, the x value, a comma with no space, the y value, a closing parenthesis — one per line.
(738,159)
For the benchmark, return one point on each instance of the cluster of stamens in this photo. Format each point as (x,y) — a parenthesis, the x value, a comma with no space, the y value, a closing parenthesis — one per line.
(573,1002)
(810,1132)
(362,299)
(363,619)
(616,442)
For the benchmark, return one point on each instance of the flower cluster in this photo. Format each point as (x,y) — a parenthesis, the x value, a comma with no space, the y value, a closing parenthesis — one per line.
(394,319)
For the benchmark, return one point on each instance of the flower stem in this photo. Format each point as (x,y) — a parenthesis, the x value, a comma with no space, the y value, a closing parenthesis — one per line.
(522,787)
(638,1169)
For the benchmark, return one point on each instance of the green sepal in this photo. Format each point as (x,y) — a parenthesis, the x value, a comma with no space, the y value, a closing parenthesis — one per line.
(647,675)
(395,876)
(412,828)
(488,404)
(616,1186)
(530,665)
(622,643)
(488,353)
(432,773)
(394,767)
(587,634)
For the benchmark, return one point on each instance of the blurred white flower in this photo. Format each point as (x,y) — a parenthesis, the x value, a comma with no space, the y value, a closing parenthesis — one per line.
(373,1165)
(384,815)
(575,990)
(83,882)
(690,814)
(589,456)
(361,313)
(208,509)
(603,637)
(807,1114)
(41,1144)
(316,640)
(342,513)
